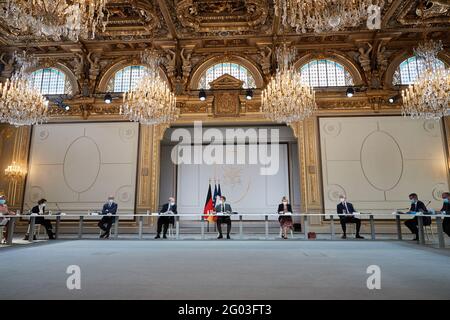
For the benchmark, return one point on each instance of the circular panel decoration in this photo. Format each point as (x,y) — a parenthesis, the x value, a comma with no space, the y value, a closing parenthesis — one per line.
(36,194)
(332,128)
(236,183)
(335,191)
(81,164)
(432,127)
(126,133)
(381,161)
(43,134)
(124,193)
(438,190)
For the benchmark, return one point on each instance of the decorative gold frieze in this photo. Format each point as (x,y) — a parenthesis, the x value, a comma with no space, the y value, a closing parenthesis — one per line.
(226,95)
(218,15)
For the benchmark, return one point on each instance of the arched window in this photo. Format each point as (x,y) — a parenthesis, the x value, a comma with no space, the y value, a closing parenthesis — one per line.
(233,69)
(325,73)
(126,78)
(408,71)
(50,81)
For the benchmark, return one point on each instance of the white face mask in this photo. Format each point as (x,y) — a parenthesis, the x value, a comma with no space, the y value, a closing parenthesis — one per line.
(171,203)
(110,201)
(342,200)
(284,202)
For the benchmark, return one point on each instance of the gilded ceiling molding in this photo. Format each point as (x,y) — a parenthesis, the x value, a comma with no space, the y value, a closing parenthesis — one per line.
(340,58)
(216,15)
(437,12)
(136,15)
(118,65)
(126,18)
(209,62)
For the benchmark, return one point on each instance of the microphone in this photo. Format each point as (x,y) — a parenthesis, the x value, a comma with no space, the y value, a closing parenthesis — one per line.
(428,211)
(26,205)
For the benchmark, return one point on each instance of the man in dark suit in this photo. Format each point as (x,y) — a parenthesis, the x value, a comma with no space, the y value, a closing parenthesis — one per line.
(40,210)
(224,208)
(416,206)
(164,221)
(446,209)
(345,211)
(109,209)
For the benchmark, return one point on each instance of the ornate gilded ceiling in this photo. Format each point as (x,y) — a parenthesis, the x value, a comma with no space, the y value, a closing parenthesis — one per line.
(190,33)
(202,19)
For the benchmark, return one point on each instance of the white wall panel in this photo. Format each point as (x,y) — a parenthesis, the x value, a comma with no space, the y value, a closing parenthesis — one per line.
(79,165)
(378,161)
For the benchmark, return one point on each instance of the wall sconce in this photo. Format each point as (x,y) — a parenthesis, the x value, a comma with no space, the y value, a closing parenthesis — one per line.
(15,172)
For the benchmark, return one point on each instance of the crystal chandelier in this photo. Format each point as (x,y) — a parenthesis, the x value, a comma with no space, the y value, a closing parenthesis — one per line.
(428,96)
(20,104)
(14,171)
(323,15)
(151,101)
(286,98)
(56,19)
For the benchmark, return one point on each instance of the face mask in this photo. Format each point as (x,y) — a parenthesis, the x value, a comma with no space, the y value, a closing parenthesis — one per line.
(413,201)
(44,204)
(342,200)
(284,202)
(3,201)
(446,200)
(110,201)
(172,203)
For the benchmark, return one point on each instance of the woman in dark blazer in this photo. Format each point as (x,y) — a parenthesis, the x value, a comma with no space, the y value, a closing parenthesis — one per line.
(285,221)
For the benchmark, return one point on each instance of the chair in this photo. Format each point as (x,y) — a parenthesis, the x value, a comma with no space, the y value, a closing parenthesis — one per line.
(292,232)
(428,229)
(351,229)
(111,231)
(2,228)
(37,229)
(170,230)
(36,232)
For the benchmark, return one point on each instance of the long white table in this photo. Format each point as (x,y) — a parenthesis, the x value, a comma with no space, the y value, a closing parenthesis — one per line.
(438,217)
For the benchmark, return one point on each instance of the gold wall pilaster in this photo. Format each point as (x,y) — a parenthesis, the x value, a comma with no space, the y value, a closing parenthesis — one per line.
(14,146)
(306,133)
(149,167)
(446,123)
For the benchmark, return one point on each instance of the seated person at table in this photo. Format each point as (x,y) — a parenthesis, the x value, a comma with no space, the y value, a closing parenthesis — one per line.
(225,208)
(40,210)
(285,221)
(164,221)
(109,208)
(416,206)
(446,210)
(345,211)
(4,221)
